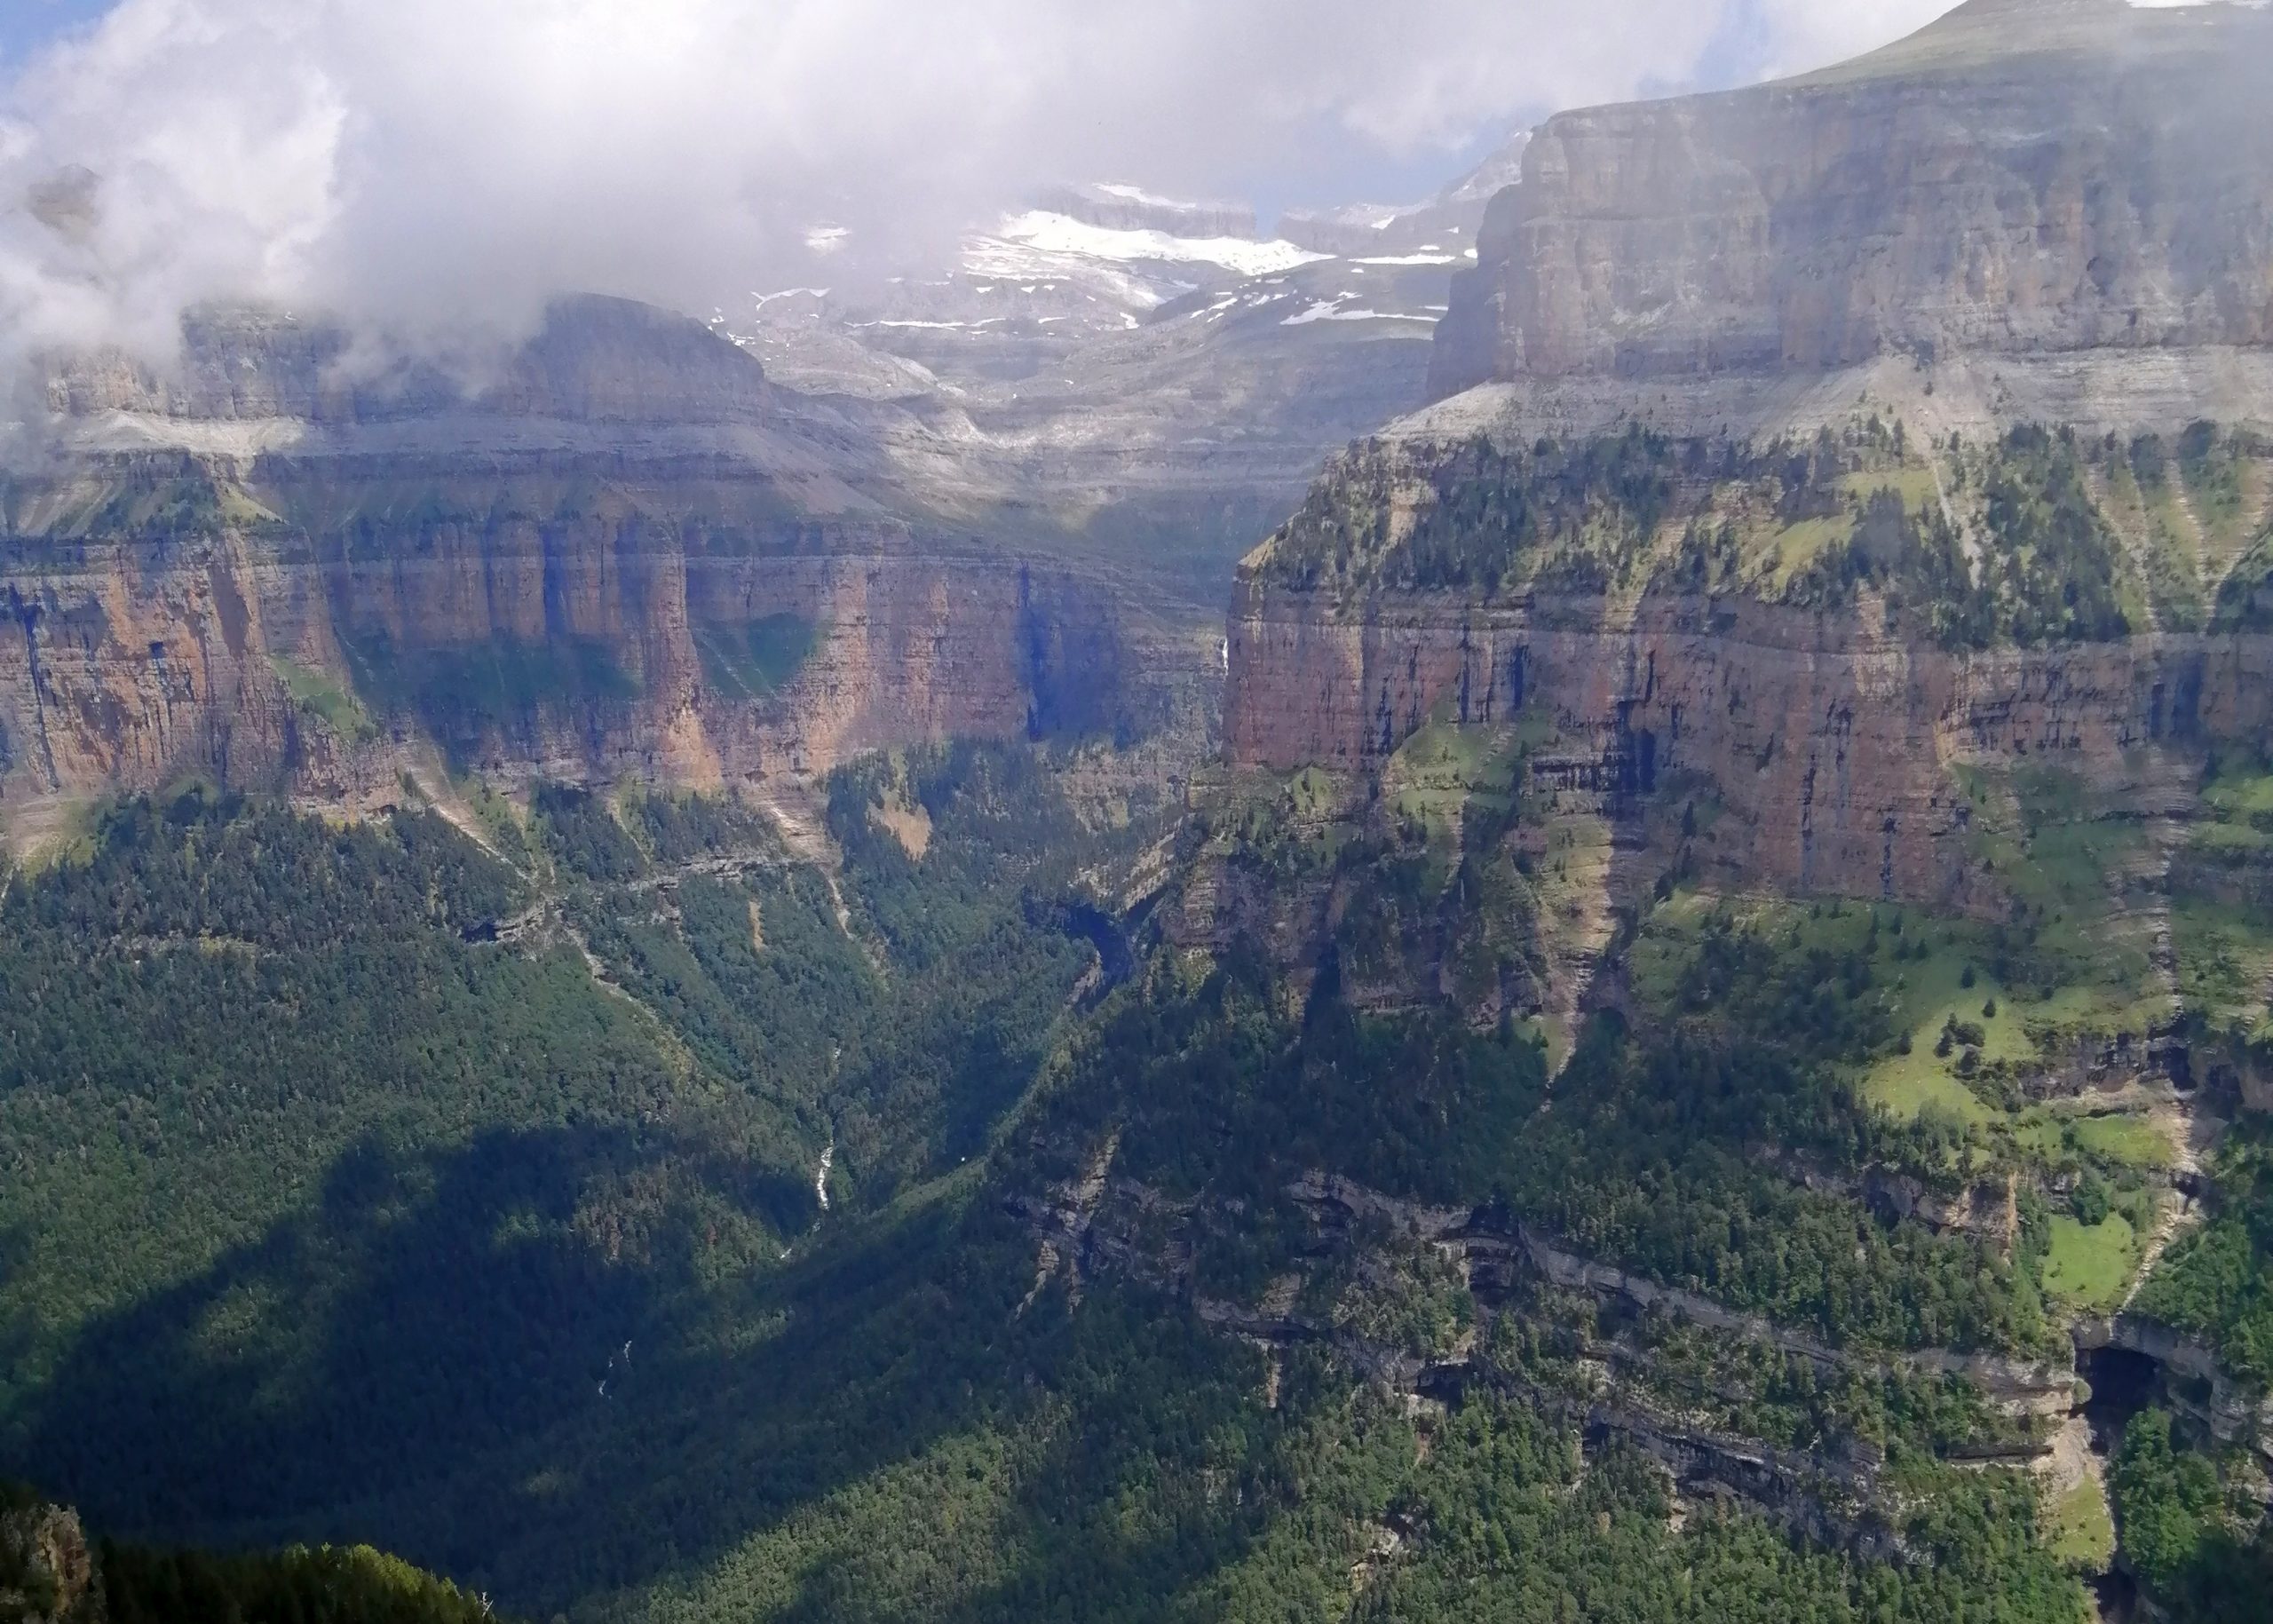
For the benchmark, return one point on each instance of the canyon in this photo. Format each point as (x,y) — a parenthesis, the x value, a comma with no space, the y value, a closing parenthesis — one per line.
(1001,501)
(2029,211)
(1696,931)
(999,505)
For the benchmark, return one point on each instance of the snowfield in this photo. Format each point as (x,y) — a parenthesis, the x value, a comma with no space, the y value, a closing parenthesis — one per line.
(1330,310)
(1048,233)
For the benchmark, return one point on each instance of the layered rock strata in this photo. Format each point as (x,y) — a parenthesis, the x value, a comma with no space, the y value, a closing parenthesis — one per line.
(624,553)
(1831,745)
(2025,177)
(125,663)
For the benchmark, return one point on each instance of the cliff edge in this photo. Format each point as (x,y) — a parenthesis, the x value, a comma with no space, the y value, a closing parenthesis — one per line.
(2027,178)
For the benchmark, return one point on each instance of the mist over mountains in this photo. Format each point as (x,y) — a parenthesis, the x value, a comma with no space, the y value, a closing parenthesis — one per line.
(334,158)
(832,812)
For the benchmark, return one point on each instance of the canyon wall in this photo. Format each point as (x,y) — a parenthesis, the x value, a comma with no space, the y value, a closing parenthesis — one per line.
(2025,177)
(626,554)
(1830,747)
(585,637)
(2031,211)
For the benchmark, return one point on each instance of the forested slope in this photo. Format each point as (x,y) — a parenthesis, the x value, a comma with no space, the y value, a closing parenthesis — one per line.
(1446,1179)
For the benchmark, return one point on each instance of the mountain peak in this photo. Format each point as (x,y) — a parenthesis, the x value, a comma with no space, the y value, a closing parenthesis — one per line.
(1982,9)
(1983,31)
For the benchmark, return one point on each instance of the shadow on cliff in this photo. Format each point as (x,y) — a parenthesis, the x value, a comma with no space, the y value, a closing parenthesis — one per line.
(471,1356)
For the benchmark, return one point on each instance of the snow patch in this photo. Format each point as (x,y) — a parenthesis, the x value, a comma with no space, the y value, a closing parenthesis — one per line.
(764,299)
(1137,194)
(1330,310)
(1052,233)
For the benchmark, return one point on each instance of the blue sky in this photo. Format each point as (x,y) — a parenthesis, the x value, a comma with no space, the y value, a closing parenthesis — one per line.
(1339,168)
(26,24)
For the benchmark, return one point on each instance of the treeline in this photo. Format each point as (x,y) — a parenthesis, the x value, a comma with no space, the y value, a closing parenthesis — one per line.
(1491,507)
(325,1584)
(51,1575)
(205,866)
(296,1168)
(2040,563)
(1116,1461)
(1508,1528)
(2012,545)
(899,1031)
(300,1164)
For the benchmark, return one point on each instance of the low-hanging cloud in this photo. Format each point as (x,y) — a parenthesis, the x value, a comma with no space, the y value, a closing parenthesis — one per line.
(440,168)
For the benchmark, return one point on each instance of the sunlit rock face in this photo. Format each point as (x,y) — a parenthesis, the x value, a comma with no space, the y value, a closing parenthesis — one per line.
(2024,177)
(617,552)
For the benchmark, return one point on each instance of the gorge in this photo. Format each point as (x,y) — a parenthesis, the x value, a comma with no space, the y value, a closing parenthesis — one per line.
(1134,932)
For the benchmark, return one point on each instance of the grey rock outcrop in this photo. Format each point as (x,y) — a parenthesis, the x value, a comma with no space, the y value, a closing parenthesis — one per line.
(1446,222)
(2024,177)
(593,360)
(2194,1380)
(47,1568)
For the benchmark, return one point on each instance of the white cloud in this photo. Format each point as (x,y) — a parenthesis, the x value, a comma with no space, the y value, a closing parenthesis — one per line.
(436,166)
(1798,35)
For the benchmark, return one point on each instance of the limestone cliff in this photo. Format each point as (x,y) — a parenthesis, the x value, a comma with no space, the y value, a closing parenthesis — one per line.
(1825,705)
(583,636)
(1605,539)
(625,555)
(2025,178)
(1832,745)
(47,1568)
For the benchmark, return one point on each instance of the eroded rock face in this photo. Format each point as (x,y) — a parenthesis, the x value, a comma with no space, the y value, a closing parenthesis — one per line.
(47,1568)
(1830,745)
(2026,177)
(585,640)
(2190,1374)
(620,553)
(593,360)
